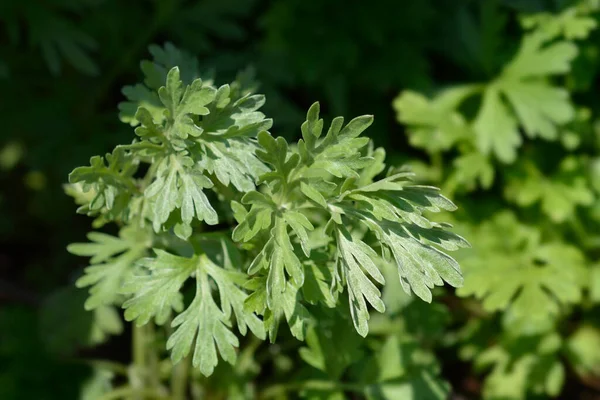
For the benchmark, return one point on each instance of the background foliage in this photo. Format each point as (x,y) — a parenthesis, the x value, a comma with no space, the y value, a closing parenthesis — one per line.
(494,101)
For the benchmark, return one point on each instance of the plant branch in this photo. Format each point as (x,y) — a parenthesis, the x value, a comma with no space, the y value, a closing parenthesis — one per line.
(139,358)
(179,379)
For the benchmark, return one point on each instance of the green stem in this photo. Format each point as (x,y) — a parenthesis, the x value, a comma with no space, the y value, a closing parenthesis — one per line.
(179,380)
(139,359)
(153,361)
(280,389)
(139,346)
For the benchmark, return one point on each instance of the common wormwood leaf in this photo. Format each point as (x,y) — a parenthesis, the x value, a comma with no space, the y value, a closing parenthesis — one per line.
(155,74)
(355,254)
(472,168)
(186,148)
(434,124)
(288,306)
(522,275)
(112,259)
(164,59)
(559,194)
(496,129)
(583,349)
(157,292)
(140,96)
(531,288)
(203,322)
(206,325)
(178,185)
(109,182)
(279,257)
(572,23)
(313,194)
(536,58)
(229,147)
(338,152)
(394,214)
(538,106)
(520,96)
(181,103)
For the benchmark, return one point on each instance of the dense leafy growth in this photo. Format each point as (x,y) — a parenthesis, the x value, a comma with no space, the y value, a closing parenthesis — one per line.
(520,136)
(312,222)
(256,250)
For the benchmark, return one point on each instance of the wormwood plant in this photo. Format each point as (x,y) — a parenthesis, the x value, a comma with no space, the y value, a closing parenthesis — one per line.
(224,229)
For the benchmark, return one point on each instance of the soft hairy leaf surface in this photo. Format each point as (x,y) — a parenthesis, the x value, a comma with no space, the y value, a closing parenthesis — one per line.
(205,324)
(112,260)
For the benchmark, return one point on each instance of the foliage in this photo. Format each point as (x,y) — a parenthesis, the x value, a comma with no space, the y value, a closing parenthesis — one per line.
(497,107)
(311,222)
(525,138)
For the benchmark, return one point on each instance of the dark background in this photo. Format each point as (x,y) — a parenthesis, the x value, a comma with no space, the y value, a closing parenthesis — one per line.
(63,64)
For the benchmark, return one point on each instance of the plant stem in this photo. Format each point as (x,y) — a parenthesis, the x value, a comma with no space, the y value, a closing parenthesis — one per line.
(279,389)
(137,379)
(179,380)
(139,346)
(152,367)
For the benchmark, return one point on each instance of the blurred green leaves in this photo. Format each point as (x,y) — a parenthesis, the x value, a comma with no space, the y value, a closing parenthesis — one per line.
(49,28)
(531,203)
(111,263)
(520,96)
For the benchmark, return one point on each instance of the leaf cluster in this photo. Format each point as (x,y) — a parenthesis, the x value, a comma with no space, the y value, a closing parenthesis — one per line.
(522,145)
(225,229)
